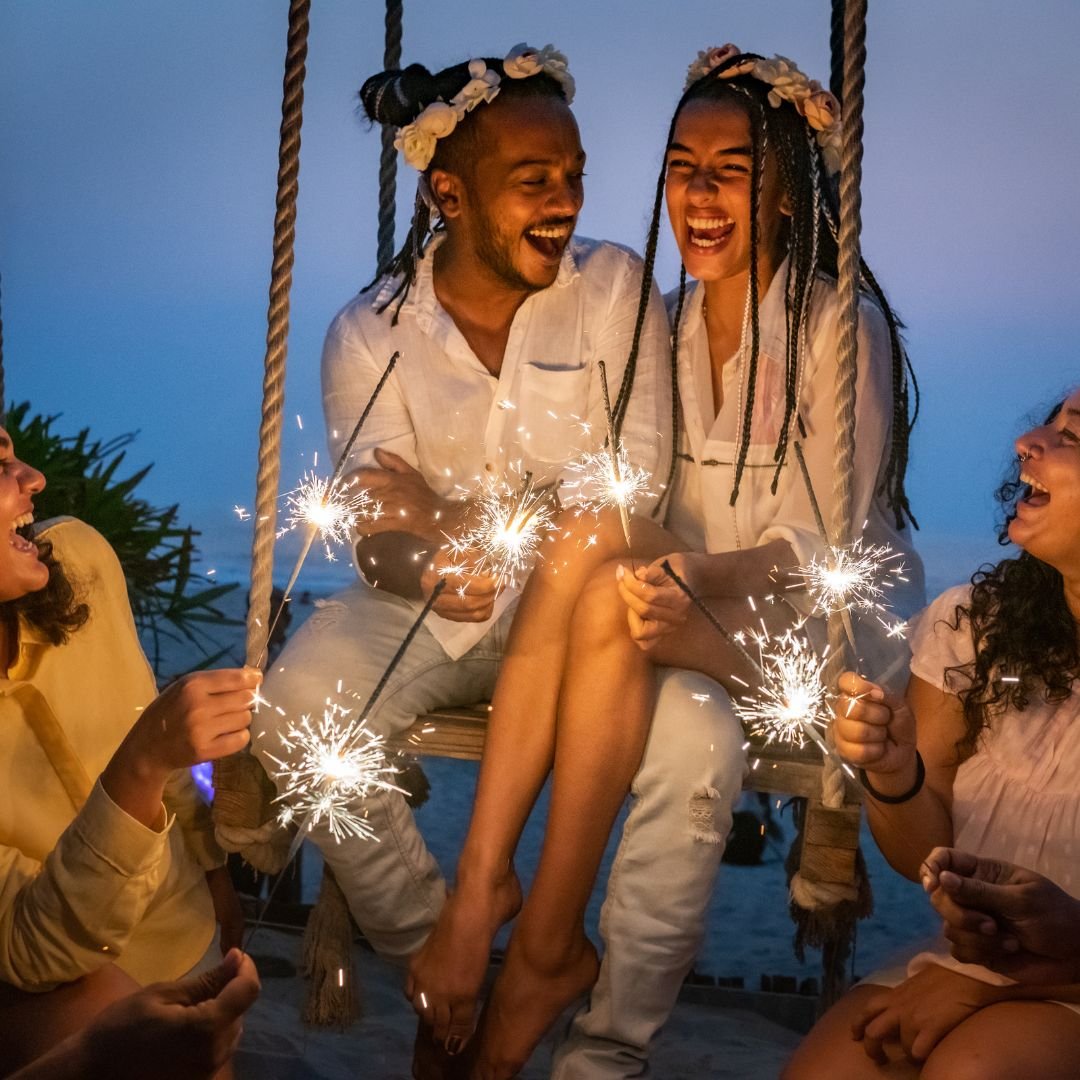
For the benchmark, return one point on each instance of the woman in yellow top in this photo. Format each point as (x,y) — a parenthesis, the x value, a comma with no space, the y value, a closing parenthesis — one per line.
(109,875)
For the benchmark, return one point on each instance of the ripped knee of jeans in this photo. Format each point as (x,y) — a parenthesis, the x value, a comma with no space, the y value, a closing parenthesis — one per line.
(327,613)
(703,807)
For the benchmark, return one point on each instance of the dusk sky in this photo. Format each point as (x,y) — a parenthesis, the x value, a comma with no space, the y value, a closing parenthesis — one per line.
(137,176)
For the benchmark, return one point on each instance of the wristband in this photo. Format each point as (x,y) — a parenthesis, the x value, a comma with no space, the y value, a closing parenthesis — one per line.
(893,800)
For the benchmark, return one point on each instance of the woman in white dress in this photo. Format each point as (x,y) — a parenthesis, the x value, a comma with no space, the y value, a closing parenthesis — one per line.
(981,753)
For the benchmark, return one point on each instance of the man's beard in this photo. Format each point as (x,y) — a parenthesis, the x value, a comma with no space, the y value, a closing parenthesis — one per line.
(495,252)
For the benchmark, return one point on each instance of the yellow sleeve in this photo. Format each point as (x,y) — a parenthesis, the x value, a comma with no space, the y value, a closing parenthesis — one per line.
(184,800)
(67,916)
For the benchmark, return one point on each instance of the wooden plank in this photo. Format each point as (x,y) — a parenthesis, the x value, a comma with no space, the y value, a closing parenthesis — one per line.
(833,828)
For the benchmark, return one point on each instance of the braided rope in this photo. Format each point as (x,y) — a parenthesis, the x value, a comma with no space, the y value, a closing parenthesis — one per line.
(836,50)
(388,156)
(849,276)
(235,807)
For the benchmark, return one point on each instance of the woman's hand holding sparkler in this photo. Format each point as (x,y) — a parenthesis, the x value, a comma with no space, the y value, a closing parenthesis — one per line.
(875,731)
(407,502)
(200,717)
(655,604)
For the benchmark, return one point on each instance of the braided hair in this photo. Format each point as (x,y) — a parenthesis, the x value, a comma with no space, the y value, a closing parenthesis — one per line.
(397,98)
(810,238)
(1021,627)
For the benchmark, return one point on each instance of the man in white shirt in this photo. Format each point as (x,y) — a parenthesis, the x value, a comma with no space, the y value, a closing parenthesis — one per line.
(501,322)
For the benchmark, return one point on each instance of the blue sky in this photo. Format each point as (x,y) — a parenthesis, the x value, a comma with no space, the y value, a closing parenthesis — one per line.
(137,184)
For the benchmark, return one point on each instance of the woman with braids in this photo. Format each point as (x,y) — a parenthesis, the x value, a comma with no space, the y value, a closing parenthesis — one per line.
(109,873)
(745,173)
(981,753)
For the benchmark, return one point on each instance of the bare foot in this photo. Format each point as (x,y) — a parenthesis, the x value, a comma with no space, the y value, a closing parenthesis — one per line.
(447,973)
(533,988)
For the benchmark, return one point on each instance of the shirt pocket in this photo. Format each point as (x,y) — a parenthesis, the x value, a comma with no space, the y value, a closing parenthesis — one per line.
(552,408)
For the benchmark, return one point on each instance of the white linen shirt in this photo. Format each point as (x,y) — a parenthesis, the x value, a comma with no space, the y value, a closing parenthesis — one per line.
(700,512)
(448,416)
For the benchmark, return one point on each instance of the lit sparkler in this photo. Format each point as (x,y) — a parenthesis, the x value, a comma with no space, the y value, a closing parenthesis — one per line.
(854,577)
(509,526)
(329,508)
(791,703)
(329,767)
(609,480)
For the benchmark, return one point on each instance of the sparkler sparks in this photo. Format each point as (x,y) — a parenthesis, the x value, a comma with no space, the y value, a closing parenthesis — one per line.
(852,577)
(330,507)
(792,703)
(328,768)
(510,524)
(604,480)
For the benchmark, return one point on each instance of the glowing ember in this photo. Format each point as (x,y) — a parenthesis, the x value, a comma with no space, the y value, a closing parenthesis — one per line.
(509,526)
(329,768)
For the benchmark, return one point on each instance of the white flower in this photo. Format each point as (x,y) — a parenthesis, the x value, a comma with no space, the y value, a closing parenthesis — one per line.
(417,146)
(709,59)
(438,119)
(821,109)
(483,86)
(523,61)
(829,141)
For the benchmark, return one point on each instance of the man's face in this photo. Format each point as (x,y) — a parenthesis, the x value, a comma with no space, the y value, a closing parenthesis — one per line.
(521,197)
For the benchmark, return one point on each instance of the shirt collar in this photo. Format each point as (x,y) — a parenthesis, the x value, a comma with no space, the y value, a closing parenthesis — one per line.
(30,642)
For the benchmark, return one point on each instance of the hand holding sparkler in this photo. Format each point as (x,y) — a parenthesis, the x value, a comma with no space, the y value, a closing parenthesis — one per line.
(407,502)
(465,596)
(656,606)
(875,731)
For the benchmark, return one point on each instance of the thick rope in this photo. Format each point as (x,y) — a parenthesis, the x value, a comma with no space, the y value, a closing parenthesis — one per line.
(233,804)
(849,277)
(836,50)
(388,157)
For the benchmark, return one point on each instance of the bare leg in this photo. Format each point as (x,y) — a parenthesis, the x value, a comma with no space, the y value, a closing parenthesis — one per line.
(605,707)
(519,749)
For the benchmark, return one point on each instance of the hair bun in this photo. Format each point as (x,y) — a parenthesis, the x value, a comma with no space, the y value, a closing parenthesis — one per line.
(398,97)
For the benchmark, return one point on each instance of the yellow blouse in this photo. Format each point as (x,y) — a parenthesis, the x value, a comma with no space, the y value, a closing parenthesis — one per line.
(81,881)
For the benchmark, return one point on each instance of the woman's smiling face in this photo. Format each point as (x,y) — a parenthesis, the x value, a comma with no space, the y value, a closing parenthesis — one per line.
(1047,522)
(21,571)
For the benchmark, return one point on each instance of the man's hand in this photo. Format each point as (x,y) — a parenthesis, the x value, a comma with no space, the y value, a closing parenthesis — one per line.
(408,504)
(1011,919)
(466,598)
(919,1013)
(183,1030)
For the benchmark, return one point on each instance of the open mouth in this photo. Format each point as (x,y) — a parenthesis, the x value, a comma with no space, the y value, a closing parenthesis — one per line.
(550,239)
(706,233)
(19,535)
(1036,494)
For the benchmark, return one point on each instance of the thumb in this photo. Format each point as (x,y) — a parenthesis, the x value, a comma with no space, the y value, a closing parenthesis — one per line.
(392,462)
(240,993)
(980,895)
(199,988)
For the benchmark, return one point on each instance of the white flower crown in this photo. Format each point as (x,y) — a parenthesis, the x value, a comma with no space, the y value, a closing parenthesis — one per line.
(812,101)
(417,140)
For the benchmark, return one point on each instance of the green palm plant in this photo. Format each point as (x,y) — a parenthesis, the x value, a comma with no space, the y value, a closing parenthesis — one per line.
(169,599)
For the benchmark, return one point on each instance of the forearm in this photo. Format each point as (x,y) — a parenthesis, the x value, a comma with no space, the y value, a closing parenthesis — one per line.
(907,832)
(394,561)
(72,1059)
(136,784)
(1069,992)
(747,572)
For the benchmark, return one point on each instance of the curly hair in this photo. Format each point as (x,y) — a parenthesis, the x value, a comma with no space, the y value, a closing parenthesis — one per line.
(1022,630)
(56,610)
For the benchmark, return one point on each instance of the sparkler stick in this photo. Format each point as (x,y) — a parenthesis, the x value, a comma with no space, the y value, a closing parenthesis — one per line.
(324,495)
(341,743)
(613,448)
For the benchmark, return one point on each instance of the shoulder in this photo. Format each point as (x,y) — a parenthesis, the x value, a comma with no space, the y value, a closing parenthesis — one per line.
(604,258)
(826,309)
(81,549)
(942,637)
